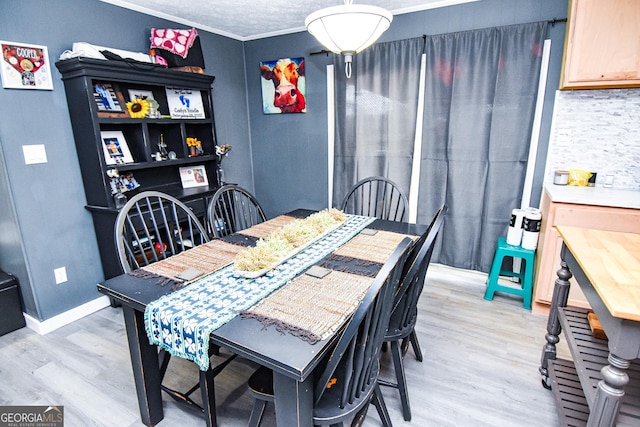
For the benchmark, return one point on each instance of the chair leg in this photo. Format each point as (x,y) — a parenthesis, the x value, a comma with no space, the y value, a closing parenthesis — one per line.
(378,401)
(257,412)
(492,278)
(185,397)
(218,368)
(416,345)
(358,419)
(208,397)
(398,364)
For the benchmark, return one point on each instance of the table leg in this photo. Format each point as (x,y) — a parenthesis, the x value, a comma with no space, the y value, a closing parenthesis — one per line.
(208,397)
(609,392)
(560,296)
(293,401)
(146,369)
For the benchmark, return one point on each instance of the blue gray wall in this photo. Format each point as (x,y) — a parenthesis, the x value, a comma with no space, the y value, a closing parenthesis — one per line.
(282,158)
(290,150)
(43,223)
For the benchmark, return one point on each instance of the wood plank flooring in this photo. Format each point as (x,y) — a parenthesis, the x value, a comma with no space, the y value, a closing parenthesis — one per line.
(480,367)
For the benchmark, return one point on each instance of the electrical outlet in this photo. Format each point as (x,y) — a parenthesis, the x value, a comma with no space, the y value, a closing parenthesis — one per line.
(61,275)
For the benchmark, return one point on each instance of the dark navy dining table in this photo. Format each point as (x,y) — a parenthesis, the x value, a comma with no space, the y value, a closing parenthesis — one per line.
(292,359)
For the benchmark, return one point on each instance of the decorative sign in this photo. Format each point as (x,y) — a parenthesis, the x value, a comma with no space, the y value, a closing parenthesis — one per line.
(25,66)
(185,103)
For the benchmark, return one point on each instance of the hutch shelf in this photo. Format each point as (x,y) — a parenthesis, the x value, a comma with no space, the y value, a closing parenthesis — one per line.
(118,154)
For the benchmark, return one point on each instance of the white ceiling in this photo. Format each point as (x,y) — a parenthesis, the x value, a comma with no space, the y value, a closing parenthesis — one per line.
(255,19)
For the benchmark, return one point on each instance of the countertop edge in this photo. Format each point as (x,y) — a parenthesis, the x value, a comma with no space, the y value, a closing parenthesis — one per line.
(595,196)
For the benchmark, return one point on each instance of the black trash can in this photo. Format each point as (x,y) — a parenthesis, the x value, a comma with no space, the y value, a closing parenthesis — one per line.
(11,317)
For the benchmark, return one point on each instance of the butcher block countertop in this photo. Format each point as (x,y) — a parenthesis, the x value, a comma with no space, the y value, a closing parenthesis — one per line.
(611,261)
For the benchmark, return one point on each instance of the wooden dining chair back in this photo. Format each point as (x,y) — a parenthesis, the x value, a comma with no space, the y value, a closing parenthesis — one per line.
(150,227)
(401,330)
(346,380)
(231,209)
(378,197)
(153,226)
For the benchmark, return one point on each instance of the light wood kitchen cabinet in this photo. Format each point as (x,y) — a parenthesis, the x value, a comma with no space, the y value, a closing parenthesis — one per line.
(550,243)
(602,45)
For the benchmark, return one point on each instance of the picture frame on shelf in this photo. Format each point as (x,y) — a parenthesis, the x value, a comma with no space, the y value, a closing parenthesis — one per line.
(140,94)
(115,148)
(194,176)
(144,95)
(185,103)
(109,100)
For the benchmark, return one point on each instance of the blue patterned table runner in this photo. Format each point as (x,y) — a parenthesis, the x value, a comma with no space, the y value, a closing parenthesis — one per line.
(182,322)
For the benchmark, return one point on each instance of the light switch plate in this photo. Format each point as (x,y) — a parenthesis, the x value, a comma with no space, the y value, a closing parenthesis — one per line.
(34,154)
(61,275)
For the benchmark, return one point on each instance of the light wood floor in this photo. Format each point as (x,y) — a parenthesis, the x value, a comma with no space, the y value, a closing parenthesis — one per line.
(480,368)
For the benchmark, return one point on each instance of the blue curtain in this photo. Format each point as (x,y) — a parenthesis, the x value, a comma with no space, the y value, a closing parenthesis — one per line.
(376,112)
(480,96)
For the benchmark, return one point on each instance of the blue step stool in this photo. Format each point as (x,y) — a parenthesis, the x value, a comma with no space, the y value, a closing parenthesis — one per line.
(525,286)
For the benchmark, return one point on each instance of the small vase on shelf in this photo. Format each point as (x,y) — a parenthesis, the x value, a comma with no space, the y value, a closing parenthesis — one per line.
(221,152)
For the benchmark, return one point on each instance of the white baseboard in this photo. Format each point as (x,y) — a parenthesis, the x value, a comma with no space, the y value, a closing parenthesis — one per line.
(45,326)
(435,269)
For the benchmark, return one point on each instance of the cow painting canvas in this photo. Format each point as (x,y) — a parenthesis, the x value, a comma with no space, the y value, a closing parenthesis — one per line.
(283,86)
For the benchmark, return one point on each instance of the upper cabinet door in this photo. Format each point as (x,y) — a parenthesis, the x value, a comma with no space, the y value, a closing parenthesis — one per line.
(602,47)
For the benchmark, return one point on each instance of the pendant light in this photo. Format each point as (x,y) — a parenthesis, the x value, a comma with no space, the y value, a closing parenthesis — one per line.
(349,28)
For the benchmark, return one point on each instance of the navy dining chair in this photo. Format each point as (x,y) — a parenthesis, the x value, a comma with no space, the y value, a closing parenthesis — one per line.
(401,331)
(232,209)
(347,380)
(150,227)
(378,197)
(153,226)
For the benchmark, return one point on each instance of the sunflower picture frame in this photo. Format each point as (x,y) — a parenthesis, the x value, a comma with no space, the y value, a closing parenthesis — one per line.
(142,104)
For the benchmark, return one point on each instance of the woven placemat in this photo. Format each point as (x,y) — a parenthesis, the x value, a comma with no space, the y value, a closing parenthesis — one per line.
(351,265)
(312,308)
(265,228)
(206,258)
(376,247)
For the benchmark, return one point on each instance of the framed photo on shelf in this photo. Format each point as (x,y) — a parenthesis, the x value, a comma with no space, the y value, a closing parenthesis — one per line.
(140,94)
(109,100)
(185,103)
(193,176)
(115,148)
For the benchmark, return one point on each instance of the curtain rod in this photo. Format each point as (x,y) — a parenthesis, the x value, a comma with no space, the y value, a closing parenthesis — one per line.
(553,22)
(320,51)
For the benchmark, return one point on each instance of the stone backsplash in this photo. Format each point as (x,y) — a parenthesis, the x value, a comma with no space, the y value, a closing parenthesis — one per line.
(599,131)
